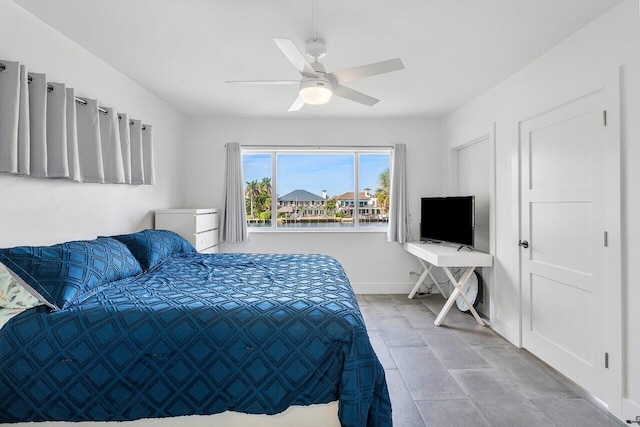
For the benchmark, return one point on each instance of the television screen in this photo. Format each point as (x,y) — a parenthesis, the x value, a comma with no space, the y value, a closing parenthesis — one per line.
(447,219)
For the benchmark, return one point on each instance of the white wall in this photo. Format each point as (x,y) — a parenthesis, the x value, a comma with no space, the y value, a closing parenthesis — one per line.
(599,48)
(47,211)
(372,264)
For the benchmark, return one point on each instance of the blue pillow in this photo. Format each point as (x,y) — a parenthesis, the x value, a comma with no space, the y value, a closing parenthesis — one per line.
(59,274)
(153,247)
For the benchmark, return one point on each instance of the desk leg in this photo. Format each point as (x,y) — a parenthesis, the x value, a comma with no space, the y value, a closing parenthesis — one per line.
(435,282)
(458,286)
(425,273)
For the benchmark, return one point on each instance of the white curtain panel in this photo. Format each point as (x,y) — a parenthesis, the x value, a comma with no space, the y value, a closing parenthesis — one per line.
(73,159)
(398,205)
(89,146)
(125,145)
(147,155)
(9,115)
(233,217)
(137,167)
(57,157)
(38,124)
(24,124)
(47,132)
(111,150)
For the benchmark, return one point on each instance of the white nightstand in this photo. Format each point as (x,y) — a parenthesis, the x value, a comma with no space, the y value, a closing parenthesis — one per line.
(198,226)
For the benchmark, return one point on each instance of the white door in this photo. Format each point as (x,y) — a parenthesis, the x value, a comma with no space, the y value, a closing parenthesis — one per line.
(563,221)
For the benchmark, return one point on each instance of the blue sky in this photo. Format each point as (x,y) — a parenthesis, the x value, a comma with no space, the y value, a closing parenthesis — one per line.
(316,172)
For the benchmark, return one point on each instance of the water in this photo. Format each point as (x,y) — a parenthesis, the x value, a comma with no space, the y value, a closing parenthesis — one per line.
(323,225)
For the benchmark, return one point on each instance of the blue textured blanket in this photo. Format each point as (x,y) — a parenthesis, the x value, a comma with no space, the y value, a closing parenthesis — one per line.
(199,334)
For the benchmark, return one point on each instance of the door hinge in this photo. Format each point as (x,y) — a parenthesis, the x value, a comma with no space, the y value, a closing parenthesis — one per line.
(606,360)
(606,239)
(604,117)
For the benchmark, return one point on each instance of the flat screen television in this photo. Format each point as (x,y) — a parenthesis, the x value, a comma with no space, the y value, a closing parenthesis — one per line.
(448,219)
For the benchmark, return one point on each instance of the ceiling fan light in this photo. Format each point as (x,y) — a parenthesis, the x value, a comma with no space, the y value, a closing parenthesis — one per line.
(316,94)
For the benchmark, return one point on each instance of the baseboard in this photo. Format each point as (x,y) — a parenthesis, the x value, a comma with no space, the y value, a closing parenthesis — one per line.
(507,331)
(630,410)
(382,288)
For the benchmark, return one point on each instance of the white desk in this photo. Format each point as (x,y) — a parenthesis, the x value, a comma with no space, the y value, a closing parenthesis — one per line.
(445,256)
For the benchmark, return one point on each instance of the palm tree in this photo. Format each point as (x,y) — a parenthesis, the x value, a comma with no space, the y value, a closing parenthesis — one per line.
(265,185)
(382,193)
(331,206)
(265,194)
(251,192)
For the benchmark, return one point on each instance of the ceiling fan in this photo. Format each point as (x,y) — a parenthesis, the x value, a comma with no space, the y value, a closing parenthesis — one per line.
(317,86)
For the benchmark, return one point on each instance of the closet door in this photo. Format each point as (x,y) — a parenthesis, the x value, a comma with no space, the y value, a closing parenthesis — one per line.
(562,239)
(474,170)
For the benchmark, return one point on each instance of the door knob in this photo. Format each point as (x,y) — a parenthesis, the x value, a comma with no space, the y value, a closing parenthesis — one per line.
(523,243)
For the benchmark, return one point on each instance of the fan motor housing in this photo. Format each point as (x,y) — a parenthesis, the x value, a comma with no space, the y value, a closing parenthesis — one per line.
(316,82)
(316,49)
(321,81)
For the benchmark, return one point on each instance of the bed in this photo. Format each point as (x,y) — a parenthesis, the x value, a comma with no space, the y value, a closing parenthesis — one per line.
(141,326)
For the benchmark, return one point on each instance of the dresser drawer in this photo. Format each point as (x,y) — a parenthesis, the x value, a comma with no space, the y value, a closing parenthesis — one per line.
(206,239)
(206,222)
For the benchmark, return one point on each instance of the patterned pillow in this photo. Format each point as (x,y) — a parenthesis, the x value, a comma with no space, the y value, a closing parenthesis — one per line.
(59,274)
(13,294)
(153,247)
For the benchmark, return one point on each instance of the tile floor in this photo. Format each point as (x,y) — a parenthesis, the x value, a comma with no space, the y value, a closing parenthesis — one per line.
(463,374)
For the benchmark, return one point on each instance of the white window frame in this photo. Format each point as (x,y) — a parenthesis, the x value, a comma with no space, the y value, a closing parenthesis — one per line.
(325,149)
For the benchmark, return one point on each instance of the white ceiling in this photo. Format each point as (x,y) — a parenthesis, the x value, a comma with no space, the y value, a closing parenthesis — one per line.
(184,50)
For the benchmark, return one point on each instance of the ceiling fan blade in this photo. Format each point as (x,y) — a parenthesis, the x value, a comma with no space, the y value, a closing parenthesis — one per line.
(354,95)
(263,82)
(295,57)
(297,104)
(350,74)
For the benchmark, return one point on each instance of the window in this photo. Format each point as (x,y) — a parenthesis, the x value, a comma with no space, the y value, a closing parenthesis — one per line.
(316,189)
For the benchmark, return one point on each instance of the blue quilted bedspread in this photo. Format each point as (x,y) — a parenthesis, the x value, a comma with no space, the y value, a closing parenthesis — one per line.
(200,334)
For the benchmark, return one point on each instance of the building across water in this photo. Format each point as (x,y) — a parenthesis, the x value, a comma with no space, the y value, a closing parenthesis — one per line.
(304,205)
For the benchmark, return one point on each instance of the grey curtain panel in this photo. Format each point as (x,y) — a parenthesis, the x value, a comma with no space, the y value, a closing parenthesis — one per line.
(398,205)
(137,166)
(48,132)
(147,153)
(57,161)
(125,145)
(9,108)
(111,150)
(233,218)
(38,124)
(24,127)
(73,157)
(89,144)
